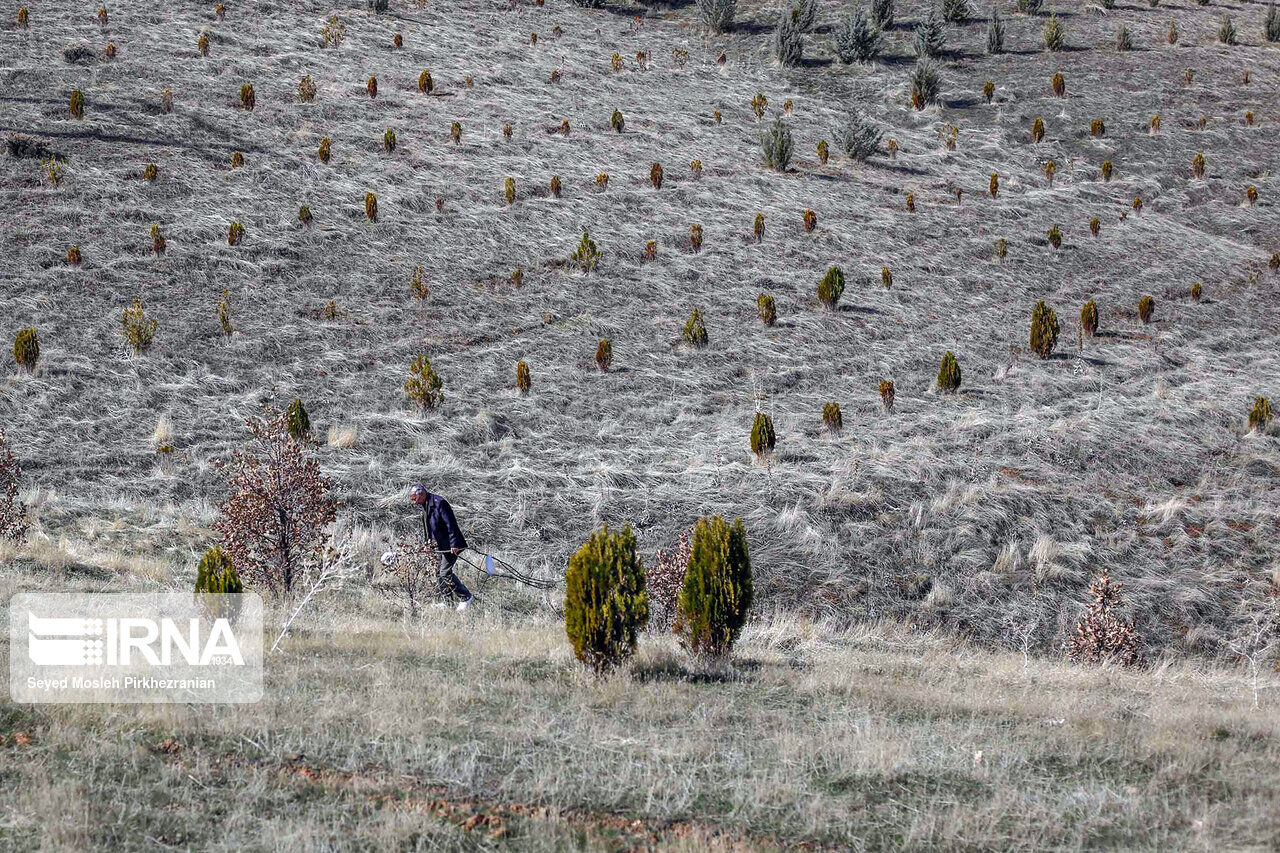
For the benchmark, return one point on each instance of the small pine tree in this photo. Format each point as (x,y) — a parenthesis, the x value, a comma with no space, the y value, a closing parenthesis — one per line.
(1227,31)
(604,354)
(26,349)
(1100,635)
(831,287)
(930,39)
(216,576)
(767,308)
(717,15)
(1271,26)
(857,137)
(139,329)
(718,590)
(297,421)
(1055,34)
(775,143)
(424,385)
(949,374)
(524,381)
(1055,237)
(586,256)
(695,330)
(1146,307)
(1089,318)
(788,40)
(224,314)
(882,12)
(605,604)
(995,36)
(1124,42)
(856,39)
(831,417)
(1044,330)
(1197,291)
(956,11)
(887,394)
(1260,414)
(763,439)
(926,83)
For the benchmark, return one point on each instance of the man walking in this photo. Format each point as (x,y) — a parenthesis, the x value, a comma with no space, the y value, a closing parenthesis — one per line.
(440,526)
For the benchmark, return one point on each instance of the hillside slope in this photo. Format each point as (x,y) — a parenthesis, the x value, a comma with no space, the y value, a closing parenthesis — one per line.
(984,511)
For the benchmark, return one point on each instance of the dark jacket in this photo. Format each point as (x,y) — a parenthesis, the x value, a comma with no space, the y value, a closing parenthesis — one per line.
(442,527)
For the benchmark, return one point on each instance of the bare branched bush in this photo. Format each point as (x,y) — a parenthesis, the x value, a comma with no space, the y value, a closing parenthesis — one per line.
(663,580)
(411,579)
(1100,635)
(275,521)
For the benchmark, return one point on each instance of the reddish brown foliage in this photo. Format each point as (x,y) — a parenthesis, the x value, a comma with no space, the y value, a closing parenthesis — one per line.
(275,523)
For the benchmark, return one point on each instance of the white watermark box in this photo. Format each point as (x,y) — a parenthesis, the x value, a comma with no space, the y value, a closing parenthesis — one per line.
(111,647)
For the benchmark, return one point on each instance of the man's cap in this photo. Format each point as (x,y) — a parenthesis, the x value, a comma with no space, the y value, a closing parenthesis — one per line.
(418,489)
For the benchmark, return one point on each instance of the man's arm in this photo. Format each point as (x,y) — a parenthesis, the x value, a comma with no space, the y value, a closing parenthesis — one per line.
(456,539)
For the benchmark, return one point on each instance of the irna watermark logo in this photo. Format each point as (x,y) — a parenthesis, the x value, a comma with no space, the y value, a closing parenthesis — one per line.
(169,647)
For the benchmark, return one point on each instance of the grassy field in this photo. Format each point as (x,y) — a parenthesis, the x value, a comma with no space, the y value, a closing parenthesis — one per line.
(479,731)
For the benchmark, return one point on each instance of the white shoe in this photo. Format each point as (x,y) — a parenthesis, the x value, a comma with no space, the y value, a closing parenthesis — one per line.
(464,604)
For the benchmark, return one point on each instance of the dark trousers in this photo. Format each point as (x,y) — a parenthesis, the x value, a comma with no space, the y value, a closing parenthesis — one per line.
(448,582)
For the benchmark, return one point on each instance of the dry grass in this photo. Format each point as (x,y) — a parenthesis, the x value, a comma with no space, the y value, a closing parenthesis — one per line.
(1131,454)
(380,733)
